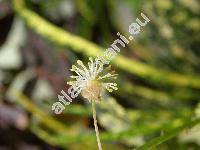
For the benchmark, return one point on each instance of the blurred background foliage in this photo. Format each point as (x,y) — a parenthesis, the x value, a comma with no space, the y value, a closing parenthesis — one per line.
(157,104)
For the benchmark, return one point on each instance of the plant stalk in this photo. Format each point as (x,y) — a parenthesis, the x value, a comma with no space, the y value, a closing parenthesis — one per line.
(95,124)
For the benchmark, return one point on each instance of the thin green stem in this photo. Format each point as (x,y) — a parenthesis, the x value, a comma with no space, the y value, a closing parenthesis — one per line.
(95,124)
(156,141)
(44,118)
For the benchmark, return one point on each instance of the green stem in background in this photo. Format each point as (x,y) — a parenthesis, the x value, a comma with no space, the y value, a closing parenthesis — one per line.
(161,96)
(137,48)
(44,135)
(85,10)
(61,139)
(45,119)
(95,124)
(138,90)
(78,44)
(156,141)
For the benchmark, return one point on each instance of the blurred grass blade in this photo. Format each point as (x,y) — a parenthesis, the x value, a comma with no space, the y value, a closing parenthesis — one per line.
(45,119)
(156,141)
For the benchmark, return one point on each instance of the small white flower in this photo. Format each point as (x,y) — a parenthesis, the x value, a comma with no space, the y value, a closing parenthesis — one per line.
(91,81)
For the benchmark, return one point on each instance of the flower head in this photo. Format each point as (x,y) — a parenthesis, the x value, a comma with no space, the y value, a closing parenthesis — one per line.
(92,81)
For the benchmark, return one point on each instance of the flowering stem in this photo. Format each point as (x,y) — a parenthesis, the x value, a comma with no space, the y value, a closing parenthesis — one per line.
(95,124)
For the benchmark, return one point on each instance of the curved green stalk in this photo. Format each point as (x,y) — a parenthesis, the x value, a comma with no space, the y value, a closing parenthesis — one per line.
(156,141)
(44,135)
(161,96)
(80,45)
(59,138)
(41,116)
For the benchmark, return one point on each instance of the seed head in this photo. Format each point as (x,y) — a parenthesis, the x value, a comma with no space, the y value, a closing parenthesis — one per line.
(93,80)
